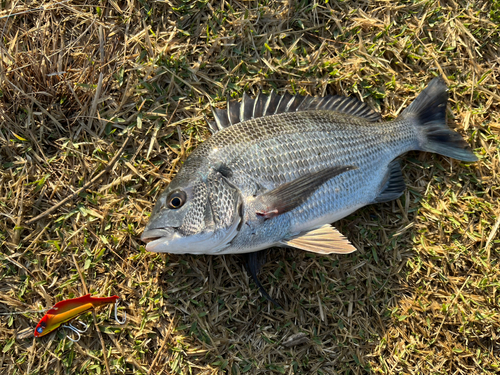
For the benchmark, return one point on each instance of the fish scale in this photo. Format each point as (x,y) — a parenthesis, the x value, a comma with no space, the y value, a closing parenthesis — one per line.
(279,169)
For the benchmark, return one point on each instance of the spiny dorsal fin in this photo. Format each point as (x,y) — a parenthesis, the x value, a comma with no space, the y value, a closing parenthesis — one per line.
(221,120)
(323,240)
(264,105)
(233,112)
(246,107)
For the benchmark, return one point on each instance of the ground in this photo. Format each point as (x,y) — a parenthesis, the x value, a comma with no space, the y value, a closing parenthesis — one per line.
(100,103)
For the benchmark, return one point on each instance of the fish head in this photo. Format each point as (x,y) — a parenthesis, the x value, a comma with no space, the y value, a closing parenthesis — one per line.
(198,213)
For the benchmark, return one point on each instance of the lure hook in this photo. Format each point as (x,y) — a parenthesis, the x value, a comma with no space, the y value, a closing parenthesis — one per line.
(84,329)
(76,330)
(116,314)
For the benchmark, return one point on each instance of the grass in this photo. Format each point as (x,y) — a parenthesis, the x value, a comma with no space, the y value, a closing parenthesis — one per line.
(79,78)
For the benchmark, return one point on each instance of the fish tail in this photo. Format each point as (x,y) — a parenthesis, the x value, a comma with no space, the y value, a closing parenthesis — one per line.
(428,113)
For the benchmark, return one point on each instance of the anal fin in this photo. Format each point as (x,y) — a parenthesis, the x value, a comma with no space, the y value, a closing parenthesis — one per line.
(323,240)
(394,184)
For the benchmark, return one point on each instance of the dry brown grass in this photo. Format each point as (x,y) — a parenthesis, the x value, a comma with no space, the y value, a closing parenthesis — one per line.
(77,77)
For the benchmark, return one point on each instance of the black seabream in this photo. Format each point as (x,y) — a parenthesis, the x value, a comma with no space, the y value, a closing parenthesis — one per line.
(279,169)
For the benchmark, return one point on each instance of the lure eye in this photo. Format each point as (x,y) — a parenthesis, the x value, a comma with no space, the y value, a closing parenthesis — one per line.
(39,329)
(176,199)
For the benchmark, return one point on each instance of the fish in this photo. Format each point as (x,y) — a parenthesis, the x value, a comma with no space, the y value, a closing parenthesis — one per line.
(68,309)
(279,169)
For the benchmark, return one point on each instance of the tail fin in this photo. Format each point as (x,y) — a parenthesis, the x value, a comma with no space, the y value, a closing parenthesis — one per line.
(428,113)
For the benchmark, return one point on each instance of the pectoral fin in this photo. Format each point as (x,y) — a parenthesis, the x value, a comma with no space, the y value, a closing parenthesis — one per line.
(292,194)
(324,240)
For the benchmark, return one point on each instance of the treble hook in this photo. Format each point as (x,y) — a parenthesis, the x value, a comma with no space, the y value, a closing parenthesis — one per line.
(116,314)
(76,330)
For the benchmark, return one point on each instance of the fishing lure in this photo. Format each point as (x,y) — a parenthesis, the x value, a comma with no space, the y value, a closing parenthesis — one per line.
(68,309)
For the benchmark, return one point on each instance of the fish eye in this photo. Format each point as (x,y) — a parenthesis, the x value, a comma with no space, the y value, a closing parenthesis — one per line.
(176,199)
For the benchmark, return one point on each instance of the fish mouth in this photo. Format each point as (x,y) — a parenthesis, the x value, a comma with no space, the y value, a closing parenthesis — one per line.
(153,235)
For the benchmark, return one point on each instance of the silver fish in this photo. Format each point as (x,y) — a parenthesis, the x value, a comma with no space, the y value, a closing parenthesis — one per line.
(280,169)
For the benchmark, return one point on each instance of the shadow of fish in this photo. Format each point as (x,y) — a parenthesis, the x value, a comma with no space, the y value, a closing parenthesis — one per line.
(279,169)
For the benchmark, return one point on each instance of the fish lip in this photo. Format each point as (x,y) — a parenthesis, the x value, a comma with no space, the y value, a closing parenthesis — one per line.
(152,235)
(152,245)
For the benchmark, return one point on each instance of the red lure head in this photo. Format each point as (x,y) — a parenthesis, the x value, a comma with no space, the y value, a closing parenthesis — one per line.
(41,326)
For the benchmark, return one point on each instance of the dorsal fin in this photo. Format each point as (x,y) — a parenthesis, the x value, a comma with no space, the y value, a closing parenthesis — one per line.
(233,112)
(264,105)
